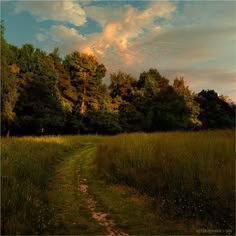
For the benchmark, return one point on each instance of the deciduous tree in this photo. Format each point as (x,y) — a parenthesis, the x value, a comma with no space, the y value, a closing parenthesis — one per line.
(8,86)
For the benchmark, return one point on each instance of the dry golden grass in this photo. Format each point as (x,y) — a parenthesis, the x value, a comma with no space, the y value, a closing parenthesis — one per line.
(190,173)
(26,166)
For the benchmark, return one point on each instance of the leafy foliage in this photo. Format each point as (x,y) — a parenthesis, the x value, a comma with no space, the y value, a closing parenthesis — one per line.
(215,111)
(39,106)
(43,93)
(8,85)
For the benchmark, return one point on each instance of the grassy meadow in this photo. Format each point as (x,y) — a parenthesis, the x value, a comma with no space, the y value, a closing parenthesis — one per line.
(27,164)
(190,174)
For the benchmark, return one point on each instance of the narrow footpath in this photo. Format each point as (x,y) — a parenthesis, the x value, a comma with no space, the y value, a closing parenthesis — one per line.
(102,218)
(74,209)
(82,204)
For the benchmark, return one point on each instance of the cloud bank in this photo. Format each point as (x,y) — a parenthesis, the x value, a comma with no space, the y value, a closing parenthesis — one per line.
(193,39)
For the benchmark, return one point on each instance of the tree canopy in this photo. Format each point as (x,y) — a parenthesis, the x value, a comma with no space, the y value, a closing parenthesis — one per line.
(42,93)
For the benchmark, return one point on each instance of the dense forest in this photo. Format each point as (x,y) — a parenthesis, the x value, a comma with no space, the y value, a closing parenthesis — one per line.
(43,93)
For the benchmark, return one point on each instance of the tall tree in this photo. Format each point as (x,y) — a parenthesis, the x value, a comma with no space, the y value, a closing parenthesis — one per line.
(148,86)
(122,85)
(39,107)
(152,82)
(193,108)
(167,111)
(123,88)
(86,76)
(68,93)
(216,112)
(8,86)
(41,92)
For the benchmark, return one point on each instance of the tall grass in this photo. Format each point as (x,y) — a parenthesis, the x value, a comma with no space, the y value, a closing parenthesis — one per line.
(26,166)
(192,174)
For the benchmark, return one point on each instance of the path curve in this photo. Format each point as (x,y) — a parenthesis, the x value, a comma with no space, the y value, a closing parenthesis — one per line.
(98,216)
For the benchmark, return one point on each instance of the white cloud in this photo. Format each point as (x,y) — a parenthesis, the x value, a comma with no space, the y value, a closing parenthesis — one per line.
(67,39)
(62,11)
(123,26)
(61,32)
(129,14)
(131,41)
(158,9)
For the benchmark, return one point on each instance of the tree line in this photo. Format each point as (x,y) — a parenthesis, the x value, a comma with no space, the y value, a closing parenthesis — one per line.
(41,93)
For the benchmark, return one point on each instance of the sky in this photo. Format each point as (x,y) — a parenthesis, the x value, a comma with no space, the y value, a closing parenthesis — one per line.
(191,39)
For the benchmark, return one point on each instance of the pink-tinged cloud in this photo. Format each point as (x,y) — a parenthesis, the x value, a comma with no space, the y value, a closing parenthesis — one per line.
(131,40)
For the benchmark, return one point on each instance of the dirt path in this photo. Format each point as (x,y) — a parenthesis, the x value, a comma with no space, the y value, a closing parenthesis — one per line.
(74,209)
(82,204)
(101,217)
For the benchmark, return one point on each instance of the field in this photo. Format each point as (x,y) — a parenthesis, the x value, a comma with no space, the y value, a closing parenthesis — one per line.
(191,174)
(26,166)
(173,182)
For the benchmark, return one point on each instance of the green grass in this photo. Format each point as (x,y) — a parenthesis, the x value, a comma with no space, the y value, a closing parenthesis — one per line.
(46,199)
(134,213)
(70,216)
(190,174)
(26,167)
(163,183)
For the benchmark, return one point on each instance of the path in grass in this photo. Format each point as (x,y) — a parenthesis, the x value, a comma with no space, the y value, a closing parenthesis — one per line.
(102,218)
(81,204)
(73,208)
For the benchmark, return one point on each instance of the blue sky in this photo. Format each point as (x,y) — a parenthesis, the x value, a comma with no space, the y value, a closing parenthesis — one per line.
(193,39)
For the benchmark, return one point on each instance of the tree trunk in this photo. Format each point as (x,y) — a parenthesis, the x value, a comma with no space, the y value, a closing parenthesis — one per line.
(8,133)
(42,131)
(83,108)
